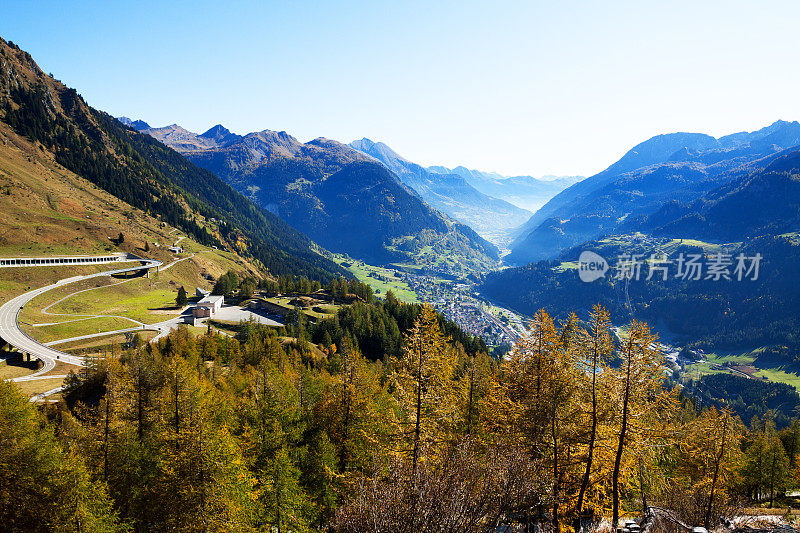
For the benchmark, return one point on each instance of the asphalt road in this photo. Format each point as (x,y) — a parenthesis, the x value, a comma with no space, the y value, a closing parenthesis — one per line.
(12,334)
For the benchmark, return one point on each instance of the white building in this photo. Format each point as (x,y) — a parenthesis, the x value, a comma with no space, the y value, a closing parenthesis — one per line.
(208,306)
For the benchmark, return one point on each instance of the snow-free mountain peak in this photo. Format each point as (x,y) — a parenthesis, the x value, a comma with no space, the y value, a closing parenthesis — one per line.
(220,134)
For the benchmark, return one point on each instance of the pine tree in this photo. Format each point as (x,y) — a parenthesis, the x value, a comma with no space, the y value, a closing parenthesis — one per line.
(356,410)
(474,387)
(181,299)
(598,348)
(42,486)
(766,469)
(535,402)
(709,459)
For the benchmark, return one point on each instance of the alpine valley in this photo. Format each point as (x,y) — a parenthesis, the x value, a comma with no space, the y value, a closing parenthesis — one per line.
(224,331)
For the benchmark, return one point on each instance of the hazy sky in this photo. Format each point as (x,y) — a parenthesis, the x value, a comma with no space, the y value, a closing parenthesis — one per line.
(514,87)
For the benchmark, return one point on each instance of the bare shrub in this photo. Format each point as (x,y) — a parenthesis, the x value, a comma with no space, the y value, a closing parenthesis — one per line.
(460,491)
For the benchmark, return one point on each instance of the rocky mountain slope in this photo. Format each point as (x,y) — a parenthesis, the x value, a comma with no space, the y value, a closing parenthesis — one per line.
(341,198)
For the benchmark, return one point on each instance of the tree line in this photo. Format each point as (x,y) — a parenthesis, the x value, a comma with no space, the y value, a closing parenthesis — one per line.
(258,433)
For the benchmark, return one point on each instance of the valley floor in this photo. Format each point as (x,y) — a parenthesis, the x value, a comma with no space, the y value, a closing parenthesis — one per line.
(456,300)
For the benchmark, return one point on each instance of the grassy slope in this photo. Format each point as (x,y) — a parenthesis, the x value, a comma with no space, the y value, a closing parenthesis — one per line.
(152,299)
(29,388)
(48,210)
(67,330)
(13,371)
(778,375)
(386,282)
(629,242)
(147,300)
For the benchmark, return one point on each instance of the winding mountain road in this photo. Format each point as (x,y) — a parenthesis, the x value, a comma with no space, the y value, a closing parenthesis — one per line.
(13,334)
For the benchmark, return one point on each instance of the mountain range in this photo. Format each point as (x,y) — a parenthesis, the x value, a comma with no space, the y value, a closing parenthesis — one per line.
(676,194)
(524,191)
(659,178)
(343,199)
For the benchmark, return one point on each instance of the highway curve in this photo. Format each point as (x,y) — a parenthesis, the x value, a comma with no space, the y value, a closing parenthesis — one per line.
(13,335)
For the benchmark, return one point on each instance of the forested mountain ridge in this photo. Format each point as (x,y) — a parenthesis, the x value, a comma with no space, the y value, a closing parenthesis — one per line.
(725,314)
(492,218)
(765,203)
(342,199)
(678,167)
(749,205)
(145,173)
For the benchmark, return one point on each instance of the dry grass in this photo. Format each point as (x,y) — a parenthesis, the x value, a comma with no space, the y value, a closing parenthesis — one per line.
(47,210)
(13,371)
(67,330)
(62,368)
(38,386)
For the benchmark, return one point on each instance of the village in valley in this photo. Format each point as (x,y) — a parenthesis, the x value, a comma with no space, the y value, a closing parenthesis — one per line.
(457,300)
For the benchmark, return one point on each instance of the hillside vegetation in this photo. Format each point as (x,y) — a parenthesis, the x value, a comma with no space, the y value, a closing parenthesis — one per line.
(214,433)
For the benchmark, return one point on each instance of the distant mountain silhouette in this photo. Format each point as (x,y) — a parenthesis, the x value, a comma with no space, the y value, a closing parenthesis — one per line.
(526,192)
(220,135)
(450,193)
(138,125)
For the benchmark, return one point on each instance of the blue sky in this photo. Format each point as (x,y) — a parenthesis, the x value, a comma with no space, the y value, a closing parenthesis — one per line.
(514,87)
